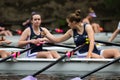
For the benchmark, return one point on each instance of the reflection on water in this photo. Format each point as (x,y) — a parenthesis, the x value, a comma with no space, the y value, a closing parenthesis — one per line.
(96,76)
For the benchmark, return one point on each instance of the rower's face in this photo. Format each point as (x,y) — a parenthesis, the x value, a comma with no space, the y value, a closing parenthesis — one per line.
(71,24)
(36,20)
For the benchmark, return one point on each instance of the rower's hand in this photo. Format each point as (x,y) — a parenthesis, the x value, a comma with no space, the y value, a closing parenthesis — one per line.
(89,55)
(34,41)
(43,40)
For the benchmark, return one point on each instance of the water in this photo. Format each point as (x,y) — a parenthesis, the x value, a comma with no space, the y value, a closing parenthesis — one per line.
(95,76)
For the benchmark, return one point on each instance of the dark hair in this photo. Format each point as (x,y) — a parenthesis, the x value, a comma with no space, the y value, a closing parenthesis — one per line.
(32,14)
(75,16)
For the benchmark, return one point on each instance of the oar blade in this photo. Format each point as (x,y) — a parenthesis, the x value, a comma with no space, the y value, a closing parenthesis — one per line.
(29,78)
(76,78)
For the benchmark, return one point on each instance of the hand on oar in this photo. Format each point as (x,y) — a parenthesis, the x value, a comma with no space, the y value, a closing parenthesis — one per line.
(97,69)
(32,77)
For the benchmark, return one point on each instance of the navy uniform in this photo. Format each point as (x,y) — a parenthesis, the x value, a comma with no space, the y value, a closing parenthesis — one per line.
(33,52)
(80,39)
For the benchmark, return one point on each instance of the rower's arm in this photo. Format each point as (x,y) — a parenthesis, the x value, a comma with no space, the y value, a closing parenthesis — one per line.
(62,38)
(114,35)
(23,38)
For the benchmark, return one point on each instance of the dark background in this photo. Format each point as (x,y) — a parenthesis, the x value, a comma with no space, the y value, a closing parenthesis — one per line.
(54,12)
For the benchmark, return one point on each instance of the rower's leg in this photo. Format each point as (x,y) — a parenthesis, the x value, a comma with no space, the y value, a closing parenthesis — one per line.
(94,55)
(3,54)
(44,54)
(55,54)
(111,53)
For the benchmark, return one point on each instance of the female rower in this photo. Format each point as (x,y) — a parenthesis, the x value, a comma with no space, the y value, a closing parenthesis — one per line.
(82,32)
(88,19)
(30,37)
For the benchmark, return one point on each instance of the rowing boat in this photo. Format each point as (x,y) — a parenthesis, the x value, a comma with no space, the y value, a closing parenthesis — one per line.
(74,65)
(26,66)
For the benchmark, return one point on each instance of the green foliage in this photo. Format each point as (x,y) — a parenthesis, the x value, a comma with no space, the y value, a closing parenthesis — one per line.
(19,10)
(112,6)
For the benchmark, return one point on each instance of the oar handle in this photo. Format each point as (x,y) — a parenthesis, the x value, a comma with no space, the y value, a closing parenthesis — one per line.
(99,68)
(109,43)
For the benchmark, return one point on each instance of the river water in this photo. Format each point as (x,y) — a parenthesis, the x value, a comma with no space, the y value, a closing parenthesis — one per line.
(95,76)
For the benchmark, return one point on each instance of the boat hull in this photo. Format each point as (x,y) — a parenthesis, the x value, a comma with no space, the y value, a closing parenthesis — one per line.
(73,65)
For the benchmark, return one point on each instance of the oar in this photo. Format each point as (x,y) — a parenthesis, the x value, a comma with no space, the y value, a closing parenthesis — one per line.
(60,45)
(15,54)
(97,69)
(108,43)
(32,77)
(11,46)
